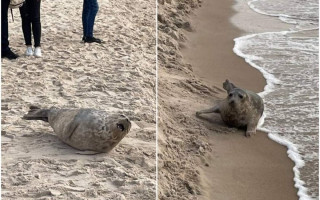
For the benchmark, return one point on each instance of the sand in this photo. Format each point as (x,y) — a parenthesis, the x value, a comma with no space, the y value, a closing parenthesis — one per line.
(204,159)
(210,49)
(117,76)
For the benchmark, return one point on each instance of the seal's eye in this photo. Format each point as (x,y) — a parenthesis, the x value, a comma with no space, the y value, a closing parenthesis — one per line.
(240,96)
(230,94)
(120,126)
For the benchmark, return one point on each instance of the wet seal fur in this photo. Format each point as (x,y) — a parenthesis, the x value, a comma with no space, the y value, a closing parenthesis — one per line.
(241,109)
(84,129)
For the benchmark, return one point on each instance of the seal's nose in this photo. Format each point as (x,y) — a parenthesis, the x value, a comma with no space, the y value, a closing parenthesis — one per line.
(120,126)
(125,121)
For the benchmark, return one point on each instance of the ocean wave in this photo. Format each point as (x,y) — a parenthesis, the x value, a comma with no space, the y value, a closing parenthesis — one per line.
(289,65)
(303,14)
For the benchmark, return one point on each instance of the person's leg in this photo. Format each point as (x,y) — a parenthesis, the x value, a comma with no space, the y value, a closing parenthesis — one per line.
(26,23)
(5,50)
(94,7)
(85,17)
(36,23)
(4,26)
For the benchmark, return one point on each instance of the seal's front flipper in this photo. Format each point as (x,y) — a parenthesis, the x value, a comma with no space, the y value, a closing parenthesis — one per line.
(215,109)
(228,86)
(251,129)
(35,113)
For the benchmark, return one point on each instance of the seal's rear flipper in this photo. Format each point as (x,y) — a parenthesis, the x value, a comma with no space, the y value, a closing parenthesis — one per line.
(88,152)
(228,86)
(35,113)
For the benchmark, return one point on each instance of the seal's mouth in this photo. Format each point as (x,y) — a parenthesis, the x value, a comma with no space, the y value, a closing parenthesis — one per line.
(120,126)
(231,102)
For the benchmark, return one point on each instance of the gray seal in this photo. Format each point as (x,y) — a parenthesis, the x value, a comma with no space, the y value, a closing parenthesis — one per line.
(241,108)
(84,129)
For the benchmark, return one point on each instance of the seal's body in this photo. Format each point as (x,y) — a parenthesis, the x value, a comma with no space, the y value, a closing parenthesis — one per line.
(242,108)
(84,129)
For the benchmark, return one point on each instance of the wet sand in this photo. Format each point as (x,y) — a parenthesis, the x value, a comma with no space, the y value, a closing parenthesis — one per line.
(238,167)
(209,48)
(241,168)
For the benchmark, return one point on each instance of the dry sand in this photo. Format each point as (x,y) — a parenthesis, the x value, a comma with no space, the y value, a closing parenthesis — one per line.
(117,76)
(180,138)
(203,159)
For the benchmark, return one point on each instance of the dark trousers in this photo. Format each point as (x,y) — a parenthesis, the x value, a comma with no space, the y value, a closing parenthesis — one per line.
(4,26)
(89,12)
(30,15)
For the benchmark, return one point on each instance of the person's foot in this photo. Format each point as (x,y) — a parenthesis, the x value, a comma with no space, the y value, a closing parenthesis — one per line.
(9,54)
(37,52)
(29,51)
(91,40)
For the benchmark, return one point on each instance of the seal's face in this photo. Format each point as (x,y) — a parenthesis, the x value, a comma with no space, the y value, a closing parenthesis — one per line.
(116,127)
(236,97)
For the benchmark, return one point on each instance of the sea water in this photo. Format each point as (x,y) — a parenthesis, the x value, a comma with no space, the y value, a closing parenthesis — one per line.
(289,62)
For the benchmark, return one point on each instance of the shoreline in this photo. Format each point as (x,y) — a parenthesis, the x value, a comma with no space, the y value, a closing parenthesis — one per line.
(206,64)
(272,24)
(194,56)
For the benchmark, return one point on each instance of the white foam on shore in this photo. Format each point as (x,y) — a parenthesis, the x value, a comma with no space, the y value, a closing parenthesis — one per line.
(300,22)
(251,5)
(271,80)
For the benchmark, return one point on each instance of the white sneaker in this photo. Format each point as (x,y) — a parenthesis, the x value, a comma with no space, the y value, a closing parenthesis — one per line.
(29,51)
(37,52)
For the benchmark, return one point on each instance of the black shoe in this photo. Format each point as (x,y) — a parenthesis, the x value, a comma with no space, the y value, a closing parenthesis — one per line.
(91,40)
(9,54)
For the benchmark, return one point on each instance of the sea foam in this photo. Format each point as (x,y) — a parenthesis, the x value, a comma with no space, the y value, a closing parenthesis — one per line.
(257,50)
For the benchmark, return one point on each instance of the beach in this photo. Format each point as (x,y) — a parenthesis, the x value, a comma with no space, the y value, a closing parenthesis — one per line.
(117,76)
(207,159)
(268,47)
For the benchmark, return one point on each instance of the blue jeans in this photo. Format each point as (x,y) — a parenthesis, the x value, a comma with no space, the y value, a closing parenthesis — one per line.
(89,12)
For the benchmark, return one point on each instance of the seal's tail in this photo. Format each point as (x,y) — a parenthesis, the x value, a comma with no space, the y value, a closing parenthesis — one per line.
(35,113)
(227,85)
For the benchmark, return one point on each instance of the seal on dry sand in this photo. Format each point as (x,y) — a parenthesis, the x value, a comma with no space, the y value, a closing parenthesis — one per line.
(242,108)
(84,129)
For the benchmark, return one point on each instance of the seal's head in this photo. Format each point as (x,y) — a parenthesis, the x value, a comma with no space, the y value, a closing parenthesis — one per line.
(115,129)
(237,97)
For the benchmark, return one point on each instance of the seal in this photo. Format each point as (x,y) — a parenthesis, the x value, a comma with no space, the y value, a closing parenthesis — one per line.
(241,108)
(84,129)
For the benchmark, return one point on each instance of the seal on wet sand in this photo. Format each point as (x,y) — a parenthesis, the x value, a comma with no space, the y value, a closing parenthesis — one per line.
(84,129)
(242,108)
